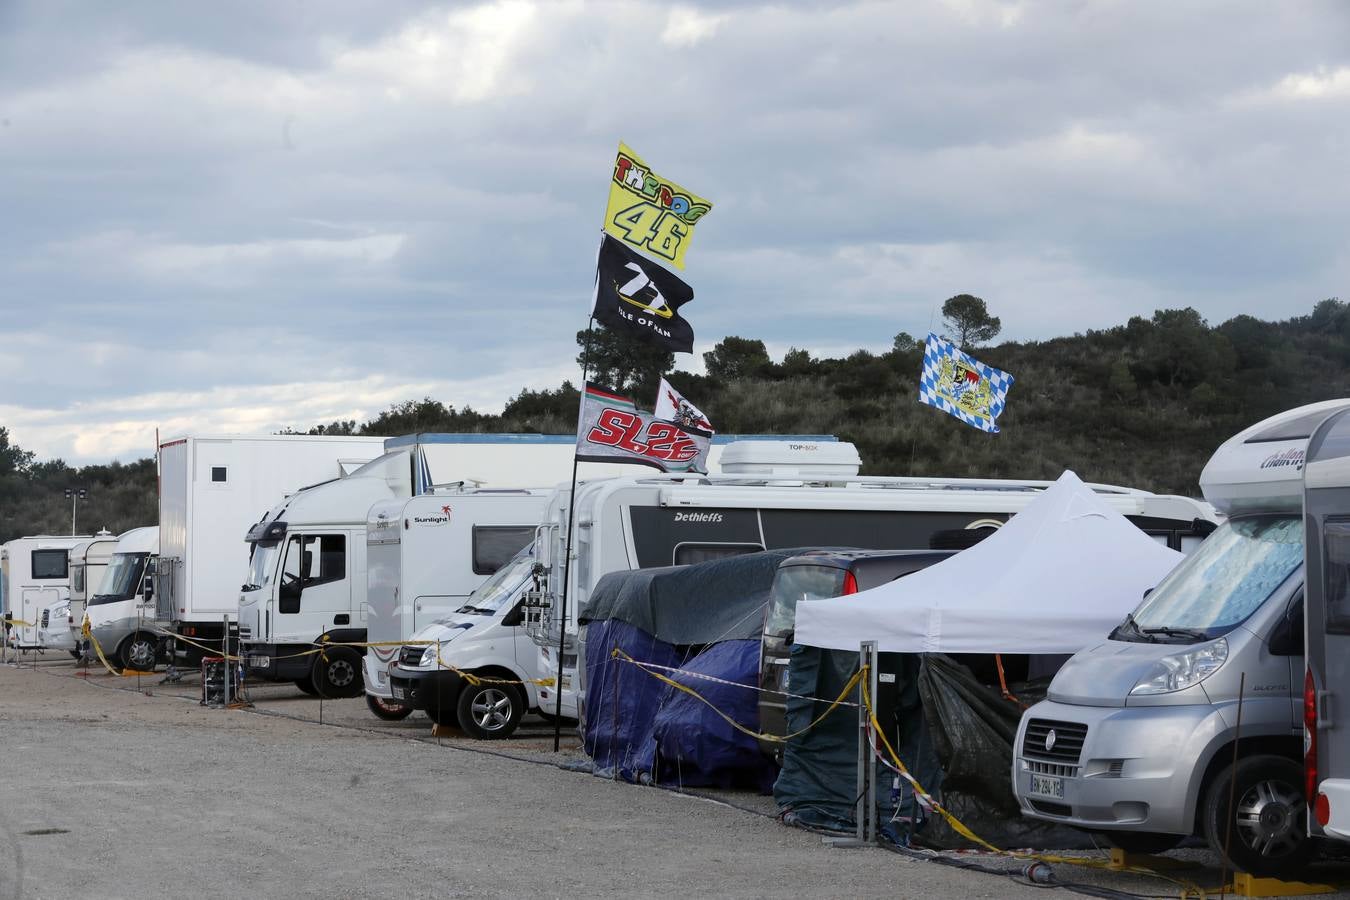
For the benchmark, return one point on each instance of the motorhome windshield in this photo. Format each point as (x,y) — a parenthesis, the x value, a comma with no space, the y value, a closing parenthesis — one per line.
(1223,582)
(261,564)
(122,578)
(792,584)
(490,596)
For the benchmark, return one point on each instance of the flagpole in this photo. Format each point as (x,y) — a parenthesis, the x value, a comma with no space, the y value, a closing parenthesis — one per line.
(567,553)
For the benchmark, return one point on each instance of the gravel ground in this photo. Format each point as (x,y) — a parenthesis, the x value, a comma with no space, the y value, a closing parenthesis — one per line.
(111,793)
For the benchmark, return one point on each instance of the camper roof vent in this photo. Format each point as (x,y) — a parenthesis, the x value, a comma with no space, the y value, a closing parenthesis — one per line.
(806,459)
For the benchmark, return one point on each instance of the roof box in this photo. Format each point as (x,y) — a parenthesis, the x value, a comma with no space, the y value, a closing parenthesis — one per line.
(1260,469)
(800,459)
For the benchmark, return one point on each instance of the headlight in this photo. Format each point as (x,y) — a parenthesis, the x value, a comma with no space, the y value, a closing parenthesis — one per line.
(1182,670)
(428,657)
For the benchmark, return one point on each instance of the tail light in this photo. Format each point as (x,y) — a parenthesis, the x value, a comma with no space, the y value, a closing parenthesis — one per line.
(850,584)
(1310,738)
(1322,810)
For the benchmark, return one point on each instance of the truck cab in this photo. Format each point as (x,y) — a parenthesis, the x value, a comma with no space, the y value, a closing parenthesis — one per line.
(1136,738)
(121,613)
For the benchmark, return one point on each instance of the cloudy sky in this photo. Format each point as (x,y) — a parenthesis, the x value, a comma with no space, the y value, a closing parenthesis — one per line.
(250,215)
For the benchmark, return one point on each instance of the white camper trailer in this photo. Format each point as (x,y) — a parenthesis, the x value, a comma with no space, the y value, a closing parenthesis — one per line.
(88,560)
(36,574)
(774,495)
(122,610)
(426,555)
(212,488)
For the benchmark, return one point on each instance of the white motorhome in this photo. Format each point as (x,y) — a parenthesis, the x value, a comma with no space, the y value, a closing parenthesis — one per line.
(121,612)
(36,575)
(1326,512)
(1139,737)
(212,488)
(424,557)
(88,560)
(774,495)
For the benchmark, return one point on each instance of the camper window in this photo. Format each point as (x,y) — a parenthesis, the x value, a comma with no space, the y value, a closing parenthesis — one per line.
(50,563)
(495,545)
(689,554)
(1336,547)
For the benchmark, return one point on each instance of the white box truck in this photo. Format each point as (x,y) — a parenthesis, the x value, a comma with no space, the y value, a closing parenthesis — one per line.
(212,488)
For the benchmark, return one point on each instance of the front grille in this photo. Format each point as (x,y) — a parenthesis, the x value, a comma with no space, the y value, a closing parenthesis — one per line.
(46,617)
(1051,809)
(411,656)
(1057,770)
(245,632)
(1067,745)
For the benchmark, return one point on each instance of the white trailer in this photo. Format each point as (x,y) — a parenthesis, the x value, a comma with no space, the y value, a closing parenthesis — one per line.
(212,488)
(88,560)
(773,496)
(36,579)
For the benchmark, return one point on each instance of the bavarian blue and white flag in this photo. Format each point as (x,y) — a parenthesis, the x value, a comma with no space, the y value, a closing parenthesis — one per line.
(960,385)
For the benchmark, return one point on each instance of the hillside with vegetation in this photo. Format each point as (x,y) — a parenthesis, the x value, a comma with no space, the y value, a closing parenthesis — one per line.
(1142,404)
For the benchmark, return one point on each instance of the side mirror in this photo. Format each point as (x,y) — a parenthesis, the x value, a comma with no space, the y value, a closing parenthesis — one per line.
(1287,637)
(148,589)
(1147,591)
(516,616)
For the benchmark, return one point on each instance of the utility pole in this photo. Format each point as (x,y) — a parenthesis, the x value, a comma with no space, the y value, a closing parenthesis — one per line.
(75,495)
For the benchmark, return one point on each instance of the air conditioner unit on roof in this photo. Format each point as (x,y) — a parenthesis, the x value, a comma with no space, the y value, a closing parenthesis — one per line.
(802,459)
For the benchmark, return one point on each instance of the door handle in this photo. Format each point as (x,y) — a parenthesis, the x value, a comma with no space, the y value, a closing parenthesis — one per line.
(1324,709)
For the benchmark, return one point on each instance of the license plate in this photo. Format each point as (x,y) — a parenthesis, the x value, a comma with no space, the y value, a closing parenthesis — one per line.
(260,662)
(1047,787)
(398,693)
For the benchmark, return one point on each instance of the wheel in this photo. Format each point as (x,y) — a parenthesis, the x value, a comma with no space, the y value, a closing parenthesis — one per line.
(389,710)
(1269,832)
(139,653)
(337,673)
(1142,841)
(489,711)
(306,684)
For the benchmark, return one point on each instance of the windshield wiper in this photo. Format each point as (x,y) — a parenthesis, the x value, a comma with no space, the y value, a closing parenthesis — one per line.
(1192,633)
(481,610)
(1130,626)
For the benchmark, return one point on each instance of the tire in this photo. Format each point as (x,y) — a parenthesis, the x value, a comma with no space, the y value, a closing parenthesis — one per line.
(306,684)
(1145,842)
(489,711)
(139,652)
(1269,836)
(389,710)
(337,673)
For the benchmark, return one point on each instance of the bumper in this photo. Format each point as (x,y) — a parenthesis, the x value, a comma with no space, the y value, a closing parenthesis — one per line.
(1139,769)
(1337,791)
(377,672)
(110,635)
(277,662)
(425,688)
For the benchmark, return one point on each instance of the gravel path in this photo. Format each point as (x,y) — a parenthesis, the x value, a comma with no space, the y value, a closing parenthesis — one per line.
(109,793)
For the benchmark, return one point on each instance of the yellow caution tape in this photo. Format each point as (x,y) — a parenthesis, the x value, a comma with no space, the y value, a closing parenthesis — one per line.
(6,620)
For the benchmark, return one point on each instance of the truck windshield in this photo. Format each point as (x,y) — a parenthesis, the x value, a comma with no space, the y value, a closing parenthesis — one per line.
(260,565)
(490,596)
(792,584)
(121,580)
(1223,582)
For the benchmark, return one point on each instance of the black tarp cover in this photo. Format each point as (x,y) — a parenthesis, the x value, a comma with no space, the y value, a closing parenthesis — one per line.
(951,731)
(720,600)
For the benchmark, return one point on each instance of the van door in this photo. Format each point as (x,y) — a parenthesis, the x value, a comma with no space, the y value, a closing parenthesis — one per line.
(314,592)
(1326,504)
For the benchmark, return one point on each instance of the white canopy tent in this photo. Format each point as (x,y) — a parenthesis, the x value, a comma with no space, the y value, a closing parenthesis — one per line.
(1056,578)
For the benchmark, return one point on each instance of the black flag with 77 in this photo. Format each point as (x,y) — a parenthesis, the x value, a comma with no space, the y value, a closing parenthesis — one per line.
(636,296)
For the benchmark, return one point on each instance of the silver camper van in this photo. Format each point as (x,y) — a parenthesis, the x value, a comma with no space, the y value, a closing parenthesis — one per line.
(1136,737)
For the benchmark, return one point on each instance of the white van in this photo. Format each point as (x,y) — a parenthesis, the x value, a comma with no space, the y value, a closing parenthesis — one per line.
(36,575)
(1136,738)
(122,611)
(776,495)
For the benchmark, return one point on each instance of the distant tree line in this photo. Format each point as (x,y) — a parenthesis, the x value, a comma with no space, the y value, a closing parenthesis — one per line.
(1142,404)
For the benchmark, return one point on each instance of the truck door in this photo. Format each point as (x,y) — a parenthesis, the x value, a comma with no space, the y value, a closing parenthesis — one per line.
(315,590)
(1326,504)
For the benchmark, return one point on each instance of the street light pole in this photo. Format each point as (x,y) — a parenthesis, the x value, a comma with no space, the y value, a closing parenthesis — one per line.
(75,495)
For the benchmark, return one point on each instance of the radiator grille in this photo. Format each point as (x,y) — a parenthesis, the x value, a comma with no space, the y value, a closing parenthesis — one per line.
(1065,747)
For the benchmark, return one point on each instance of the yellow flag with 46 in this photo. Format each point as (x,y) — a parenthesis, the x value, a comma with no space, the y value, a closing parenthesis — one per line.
(649,212)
